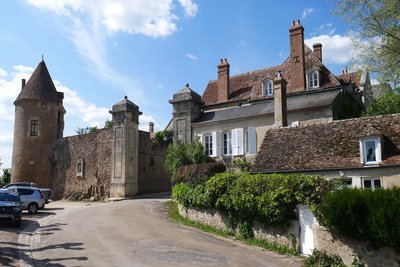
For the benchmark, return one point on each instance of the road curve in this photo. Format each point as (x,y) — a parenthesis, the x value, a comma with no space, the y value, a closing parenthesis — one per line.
(135,233)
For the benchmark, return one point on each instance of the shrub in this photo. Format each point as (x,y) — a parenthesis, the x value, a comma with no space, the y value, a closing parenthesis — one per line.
(197,173)
(323,259)
(180,154)
(240,164)
(363,214)
(191,197)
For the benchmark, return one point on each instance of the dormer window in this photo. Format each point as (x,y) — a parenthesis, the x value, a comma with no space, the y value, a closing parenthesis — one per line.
(268,87)
(313,79)
(370,150)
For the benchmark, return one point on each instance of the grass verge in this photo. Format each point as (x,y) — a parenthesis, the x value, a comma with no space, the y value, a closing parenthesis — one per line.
(173,213)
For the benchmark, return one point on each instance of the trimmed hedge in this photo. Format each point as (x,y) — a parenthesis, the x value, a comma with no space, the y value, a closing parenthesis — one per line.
(364,214)
(271,198)
(197,173)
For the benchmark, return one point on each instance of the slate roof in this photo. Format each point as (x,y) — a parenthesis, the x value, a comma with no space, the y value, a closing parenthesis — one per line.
(327,145)
(248,86)
(294,102)
(40,86)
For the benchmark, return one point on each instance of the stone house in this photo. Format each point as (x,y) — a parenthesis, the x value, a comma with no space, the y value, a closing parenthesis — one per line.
(364,152)
(234,113)
(115,162)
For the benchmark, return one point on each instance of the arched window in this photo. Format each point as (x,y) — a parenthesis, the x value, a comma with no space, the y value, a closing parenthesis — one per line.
(268,87)
(313,79)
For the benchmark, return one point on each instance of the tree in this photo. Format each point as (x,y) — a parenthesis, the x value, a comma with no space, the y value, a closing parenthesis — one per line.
(377,27)
(388,103)
(163,137)
(6,177)
(107,123)
(86,130)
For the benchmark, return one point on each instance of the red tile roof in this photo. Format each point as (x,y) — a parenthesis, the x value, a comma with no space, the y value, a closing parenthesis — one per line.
(248,86)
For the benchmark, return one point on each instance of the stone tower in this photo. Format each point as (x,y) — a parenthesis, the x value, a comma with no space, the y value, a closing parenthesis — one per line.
(186,109)
(125,153)
(39,121)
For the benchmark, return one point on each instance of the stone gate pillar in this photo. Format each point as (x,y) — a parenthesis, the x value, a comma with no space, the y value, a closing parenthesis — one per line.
(124,155)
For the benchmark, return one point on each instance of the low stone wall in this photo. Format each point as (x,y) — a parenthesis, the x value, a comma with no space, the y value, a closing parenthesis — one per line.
(284,236)
(94,149)
(346,248)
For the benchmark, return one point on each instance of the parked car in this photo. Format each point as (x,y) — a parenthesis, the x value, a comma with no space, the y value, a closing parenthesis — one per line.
(21,184)
(31,197)
(10,206)
(47,192)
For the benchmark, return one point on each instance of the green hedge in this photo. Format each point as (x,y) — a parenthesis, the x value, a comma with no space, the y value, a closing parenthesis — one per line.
(197,173)
(364,214)
(271,199)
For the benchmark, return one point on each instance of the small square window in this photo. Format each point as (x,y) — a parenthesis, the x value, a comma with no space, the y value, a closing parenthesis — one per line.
(370,150)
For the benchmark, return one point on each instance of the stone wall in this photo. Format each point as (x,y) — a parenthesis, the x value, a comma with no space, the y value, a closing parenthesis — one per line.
(346,248)
(284,236)
(94,149)
(152,175)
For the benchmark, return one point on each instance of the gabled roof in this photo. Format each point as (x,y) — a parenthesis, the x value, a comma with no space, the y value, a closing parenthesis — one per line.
(327,145)
(40,86)
(248,86)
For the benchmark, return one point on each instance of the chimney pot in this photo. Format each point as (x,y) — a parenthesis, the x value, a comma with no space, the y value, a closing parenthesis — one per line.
(293,23)
(298,22)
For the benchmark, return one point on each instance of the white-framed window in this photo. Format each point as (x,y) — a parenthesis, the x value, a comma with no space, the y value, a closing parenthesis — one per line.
(228,143)
(371,183)
(250,137)
(313,79)
(268,87)
(370,150)
(208,144)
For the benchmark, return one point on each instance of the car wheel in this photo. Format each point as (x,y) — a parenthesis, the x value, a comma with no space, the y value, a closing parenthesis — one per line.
(32,208)
(18,222)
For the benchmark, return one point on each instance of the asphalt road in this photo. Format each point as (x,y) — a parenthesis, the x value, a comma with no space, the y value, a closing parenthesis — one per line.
(127,233)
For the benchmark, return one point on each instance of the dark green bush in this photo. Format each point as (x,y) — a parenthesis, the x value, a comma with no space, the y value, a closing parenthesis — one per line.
(323,259)
(197,173)
(364,214)
(184,154)
(191,196)
(271,199)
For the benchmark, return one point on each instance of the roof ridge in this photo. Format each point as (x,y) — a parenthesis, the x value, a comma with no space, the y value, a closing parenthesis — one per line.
(248,73)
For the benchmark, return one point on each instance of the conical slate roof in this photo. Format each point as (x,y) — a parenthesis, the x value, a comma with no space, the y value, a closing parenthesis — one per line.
(40,86)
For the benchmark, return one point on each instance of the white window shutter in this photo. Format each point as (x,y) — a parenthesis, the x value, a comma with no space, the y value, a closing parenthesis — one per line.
(219,144)
(214,144)
(251,132)
(234,142)
(240,150)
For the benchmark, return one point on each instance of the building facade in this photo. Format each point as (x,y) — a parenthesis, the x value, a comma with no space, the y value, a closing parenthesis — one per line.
(237,111)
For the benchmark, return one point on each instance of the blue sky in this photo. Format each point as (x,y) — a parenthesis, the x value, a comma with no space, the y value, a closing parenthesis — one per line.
(98,51)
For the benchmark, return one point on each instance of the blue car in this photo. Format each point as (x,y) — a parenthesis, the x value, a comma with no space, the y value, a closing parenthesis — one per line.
(10,206)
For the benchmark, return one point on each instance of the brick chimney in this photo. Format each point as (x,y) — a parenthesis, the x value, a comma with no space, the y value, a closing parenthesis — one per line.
(297,61)
(318,50)
(23,82)
(223,80)
(280,105)
(151,129)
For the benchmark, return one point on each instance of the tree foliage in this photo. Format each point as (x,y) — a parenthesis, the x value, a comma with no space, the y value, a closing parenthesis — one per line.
(6,177)
(388,103)
(163,137)
(377,27)
(181,154)
(86,130)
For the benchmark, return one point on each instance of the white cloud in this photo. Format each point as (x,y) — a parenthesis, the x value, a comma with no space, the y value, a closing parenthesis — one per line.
(153,18)
(91,22)
(3,73)
(337,49)
(190,7)
(307,11)
(191,56)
